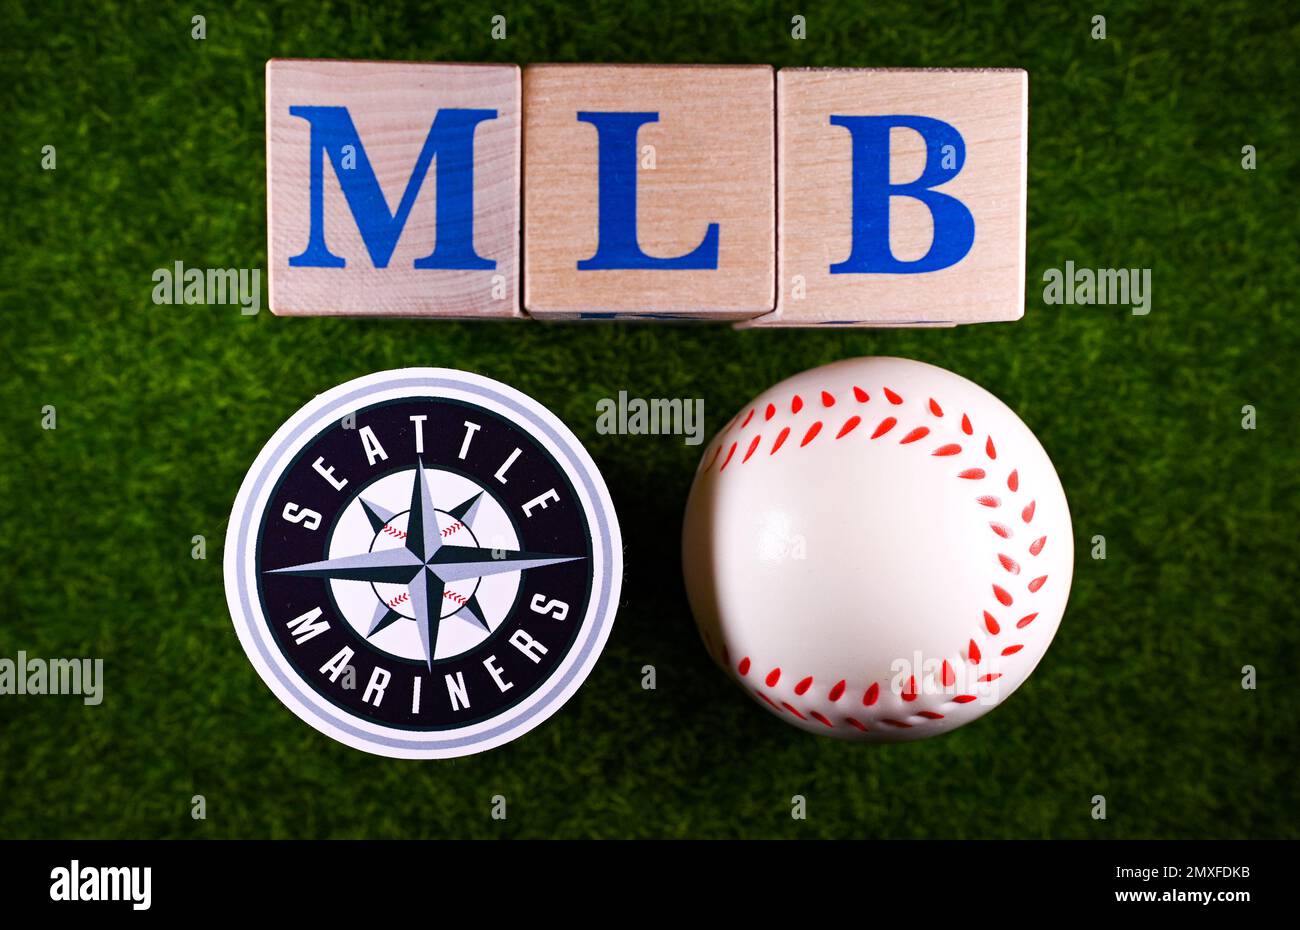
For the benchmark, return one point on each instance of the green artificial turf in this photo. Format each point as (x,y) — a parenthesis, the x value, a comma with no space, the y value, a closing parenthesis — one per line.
(1135,161)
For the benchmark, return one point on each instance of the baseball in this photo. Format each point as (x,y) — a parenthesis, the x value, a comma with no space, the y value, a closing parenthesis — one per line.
(397,597)
(877,549)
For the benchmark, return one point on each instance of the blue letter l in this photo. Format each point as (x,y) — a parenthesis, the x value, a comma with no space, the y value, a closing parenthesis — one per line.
(617,246)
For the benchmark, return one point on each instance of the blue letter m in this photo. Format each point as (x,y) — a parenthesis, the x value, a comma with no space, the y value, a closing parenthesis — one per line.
(451,139)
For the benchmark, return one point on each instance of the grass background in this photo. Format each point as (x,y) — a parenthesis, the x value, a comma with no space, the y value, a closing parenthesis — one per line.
(1135,161)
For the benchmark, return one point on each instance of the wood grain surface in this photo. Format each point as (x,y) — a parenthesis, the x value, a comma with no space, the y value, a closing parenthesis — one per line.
(814,158)
(393,105)
(712,148)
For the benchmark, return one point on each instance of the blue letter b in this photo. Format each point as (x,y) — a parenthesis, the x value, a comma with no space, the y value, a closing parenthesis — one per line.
(954,227)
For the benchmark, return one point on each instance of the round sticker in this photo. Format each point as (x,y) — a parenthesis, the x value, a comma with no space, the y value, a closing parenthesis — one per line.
(423,563)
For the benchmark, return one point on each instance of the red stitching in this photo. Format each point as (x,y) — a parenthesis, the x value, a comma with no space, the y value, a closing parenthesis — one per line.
(973,654)
(405,596)
(452,528)
(393,531)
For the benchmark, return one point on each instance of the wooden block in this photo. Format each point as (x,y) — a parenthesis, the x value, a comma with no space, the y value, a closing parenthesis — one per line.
(649,191)
(901,197)
(393,188)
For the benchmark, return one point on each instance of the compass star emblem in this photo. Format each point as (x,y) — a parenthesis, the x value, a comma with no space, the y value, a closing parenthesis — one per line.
(432,571)
(423,563)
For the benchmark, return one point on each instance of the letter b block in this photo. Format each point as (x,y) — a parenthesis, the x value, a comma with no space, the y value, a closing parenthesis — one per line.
(901,197)
(649,191)
(393,188)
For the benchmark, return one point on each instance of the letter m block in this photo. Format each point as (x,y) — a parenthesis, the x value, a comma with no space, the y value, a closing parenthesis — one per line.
(393,188)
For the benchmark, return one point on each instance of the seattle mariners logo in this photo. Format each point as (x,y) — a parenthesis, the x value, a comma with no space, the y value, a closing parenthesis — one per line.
(423,563)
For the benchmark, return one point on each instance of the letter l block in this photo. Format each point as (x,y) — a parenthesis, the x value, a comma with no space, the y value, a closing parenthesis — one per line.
(649,191)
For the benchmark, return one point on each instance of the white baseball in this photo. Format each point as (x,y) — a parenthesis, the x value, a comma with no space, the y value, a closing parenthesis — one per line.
(877,549)
(397,597)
